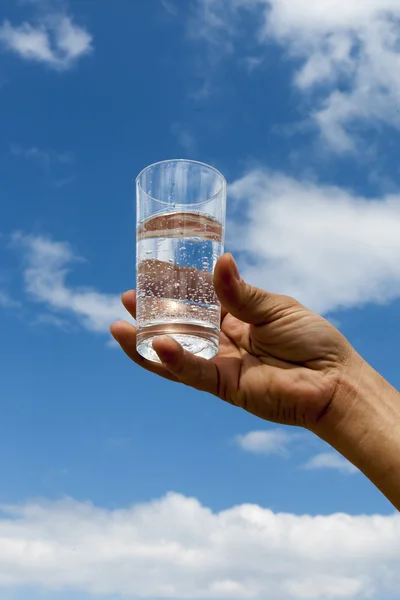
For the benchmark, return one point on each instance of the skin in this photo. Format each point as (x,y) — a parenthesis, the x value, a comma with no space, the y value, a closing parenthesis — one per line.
(285,364)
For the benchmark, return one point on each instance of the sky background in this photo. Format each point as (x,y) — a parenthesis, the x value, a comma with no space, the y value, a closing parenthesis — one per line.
(115,484)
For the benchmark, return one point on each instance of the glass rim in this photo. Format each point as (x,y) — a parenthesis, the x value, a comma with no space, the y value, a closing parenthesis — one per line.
(183,160)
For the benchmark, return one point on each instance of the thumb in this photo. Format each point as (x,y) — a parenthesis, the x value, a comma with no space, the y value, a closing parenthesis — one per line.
(244,301)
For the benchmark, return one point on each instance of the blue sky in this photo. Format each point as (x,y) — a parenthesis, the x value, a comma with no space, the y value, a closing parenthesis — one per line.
(117,484)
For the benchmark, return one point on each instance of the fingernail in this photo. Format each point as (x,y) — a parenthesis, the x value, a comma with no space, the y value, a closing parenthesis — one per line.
(234,267)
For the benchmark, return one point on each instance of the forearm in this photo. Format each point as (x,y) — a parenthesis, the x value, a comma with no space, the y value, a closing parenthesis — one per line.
(363,424)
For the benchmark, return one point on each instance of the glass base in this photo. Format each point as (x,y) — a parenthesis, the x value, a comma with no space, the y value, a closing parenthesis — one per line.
(199,340)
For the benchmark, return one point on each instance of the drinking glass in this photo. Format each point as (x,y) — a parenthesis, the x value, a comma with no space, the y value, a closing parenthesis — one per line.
(181,206)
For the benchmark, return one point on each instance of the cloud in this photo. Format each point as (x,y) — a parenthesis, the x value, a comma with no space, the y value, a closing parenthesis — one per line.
(211,21)
(252,63)
(330,460)
(176,548)
(281,442)
(46,266)
(52,321)
(55,40)
(184,137)
(346,61)
(7,302)
(170,7)
(64,181)
(271,441)
(326,246)
(43,158)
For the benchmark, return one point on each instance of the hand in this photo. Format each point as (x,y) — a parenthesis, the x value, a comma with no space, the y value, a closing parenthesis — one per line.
(277,359)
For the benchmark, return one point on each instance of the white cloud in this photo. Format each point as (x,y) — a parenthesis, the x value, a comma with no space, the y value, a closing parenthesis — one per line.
(330,460)
(252,63)
(282,442)
(356,46)
(176,548)
(326,246)
(211,21)
(7,302)
(271,441)
(44,158)
(170,7)
(55,40)
(52,321)
(64,181)
(184,137)
(47,264)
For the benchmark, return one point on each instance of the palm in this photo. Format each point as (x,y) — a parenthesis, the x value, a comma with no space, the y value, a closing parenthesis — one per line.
(275,372)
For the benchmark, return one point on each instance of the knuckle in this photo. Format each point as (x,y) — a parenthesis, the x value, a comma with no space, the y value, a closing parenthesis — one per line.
(180,368)
(253,296)
(289,301)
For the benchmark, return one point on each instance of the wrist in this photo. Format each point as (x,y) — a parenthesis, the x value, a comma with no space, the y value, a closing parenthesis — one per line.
(363,424)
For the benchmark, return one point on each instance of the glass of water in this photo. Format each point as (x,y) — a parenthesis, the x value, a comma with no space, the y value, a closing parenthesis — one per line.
(181,206)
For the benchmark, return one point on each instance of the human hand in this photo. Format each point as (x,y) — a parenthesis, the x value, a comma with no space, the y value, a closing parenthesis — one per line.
(277,359)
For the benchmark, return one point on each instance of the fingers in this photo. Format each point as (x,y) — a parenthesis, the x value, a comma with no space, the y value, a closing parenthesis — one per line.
(245,302)
(129,301)
(191,370)
(125,335)
(177,364)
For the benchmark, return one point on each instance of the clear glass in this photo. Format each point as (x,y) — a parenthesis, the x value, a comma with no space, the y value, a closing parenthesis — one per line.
(181,206)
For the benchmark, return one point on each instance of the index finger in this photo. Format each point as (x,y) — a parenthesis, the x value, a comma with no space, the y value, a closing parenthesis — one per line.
(125,334)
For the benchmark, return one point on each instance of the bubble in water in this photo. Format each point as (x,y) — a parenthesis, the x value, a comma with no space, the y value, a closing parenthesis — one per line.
(168,295)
